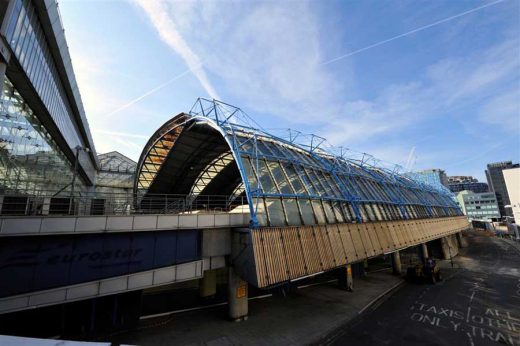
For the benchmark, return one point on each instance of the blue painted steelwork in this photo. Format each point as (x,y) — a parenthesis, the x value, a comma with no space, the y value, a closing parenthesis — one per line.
(290,181)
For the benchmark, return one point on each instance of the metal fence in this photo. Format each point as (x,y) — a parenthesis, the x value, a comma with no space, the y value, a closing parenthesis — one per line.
(48,203)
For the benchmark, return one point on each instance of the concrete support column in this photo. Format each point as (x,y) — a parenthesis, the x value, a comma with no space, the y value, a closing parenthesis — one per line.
(237,297)
(461,242)
(345,279)
(208,284)
(396,263)
(365,267)
(445,247)
(424,251)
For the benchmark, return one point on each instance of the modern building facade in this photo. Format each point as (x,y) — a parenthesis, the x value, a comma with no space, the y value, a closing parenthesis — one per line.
(512,180)
(44,133)
(479,206)
(457,179)
(496,182)
(476,187)
(434,176)
(116,174)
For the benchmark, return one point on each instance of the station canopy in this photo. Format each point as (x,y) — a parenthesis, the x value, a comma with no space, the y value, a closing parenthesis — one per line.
(218,158)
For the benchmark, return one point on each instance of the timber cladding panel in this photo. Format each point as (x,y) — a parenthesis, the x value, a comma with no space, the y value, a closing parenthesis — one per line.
(287,253)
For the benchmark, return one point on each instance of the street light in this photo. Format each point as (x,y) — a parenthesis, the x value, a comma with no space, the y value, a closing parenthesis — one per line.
(75,173)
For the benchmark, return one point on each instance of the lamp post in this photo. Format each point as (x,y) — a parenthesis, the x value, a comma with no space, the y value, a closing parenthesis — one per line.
(75,173)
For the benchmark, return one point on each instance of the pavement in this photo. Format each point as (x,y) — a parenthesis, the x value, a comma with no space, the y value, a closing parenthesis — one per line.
(478,303)
(306,316)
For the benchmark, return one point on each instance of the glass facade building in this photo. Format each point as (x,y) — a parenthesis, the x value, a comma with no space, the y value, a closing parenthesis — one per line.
(31,162)
(43,128)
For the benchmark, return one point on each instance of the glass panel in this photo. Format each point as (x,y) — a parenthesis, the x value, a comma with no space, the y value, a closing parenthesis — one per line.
(377,212)
(263,149)
(280,178)
(323,180)
(362,212)
(14,20)
(275,212)
(351,189)
(266,180)
(337,211)
(315,182)
(259,206)
(369,212)
(246,144)
(348,212)
(331,218)
(307,212)
(305,179)
(318,212)
(336,191)
(293,214)
(250,172)
(31,161)
(294,178)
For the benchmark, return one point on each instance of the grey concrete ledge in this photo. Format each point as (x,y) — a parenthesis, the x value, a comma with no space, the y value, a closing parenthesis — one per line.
(46,225)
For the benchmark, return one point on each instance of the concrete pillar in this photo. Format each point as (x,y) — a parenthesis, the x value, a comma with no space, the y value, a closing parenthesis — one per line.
(461,241)
(345,279)
(396,263)
(424,251)
(208,284)
(445,247)
(365,267)
(237,297)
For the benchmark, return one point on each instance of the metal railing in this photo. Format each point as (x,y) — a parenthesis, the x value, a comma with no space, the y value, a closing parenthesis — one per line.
(50,203)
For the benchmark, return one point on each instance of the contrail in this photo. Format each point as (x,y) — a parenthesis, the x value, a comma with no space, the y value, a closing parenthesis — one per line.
(411,32)
(150,92)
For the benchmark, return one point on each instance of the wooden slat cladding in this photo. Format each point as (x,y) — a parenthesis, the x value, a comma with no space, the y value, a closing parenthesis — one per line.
(287,253)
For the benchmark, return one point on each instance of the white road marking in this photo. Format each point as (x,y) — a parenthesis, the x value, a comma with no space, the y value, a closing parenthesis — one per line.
(470,339)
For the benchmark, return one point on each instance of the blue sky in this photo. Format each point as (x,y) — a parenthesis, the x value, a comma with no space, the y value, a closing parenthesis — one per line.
(440,79)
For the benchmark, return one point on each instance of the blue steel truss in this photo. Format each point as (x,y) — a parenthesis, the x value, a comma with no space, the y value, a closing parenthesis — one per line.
(328,174)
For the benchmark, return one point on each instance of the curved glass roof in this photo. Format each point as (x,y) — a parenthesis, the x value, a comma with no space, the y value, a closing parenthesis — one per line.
(216,151)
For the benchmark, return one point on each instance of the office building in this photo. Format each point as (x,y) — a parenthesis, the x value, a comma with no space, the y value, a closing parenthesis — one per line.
(479,206)
(512,180)
(495,179)
(458,179)
(476,187)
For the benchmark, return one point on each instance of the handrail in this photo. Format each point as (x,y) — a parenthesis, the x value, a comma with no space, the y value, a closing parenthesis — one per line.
(96,203)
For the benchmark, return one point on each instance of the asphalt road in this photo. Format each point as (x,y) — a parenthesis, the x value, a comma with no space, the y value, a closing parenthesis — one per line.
(478,303)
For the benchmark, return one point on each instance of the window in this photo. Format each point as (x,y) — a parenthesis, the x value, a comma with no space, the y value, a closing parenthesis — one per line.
(306,212)
(293,214)
(275,212)
(318,211)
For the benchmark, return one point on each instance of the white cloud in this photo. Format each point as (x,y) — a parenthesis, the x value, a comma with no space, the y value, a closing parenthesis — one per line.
(477,79)
(266,54)
(157,12)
